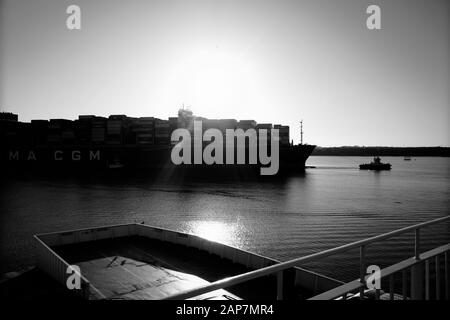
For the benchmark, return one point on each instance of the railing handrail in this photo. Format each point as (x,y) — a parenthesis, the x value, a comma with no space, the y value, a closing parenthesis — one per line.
(227,282)
(384,273)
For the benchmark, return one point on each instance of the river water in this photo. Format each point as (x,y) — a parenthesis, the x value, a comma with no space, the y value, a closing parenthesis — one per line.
(332,204)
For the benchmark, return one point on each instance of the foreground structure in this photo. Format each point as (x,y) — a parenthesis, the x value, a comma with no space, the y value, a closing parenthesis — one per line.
(135,261)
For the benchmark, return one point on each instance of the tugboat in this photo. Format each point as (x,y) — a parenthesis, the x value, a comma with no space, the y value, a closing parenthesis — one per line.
(376,164)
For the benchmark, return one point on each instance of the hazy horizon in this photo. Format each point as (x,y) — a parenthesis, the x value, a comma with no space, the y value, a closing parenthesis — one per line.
(319,146)
(271,61)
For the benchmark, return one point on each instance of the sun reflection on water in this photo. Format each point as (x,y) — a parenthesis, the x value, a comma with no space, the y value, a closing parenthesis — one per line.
(216,231)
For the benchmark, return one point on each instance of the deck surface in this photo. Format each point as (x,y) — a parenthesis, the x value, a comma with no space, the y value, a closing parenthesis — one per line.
(139,268)
(136,268)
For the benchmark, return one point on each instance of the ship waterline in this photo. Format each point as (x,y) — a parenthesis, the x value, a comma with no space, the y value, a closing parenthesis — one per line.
(133,157)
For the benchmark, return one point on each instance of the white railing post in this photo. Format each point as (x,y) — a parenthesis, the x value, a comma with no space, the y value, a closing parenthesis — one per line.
(362,270)
(404,284)
(417,281)
(438,278)
(446,275)
(427,280)
(391,287)
(280,285)
(417,271)
(417,244)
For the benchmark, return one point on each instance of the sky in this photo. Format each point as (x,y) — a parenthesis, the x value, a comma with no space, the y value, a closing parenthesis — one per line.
(274,61)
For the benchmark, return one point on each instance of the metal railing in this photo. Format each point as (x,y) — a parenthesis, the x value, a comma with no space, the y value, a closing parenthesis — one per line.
(413,264)
(346,288)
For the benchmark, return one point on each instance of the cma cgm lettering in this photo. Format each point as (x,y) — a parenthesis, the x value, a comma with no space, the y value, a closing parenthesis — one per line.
(56,155)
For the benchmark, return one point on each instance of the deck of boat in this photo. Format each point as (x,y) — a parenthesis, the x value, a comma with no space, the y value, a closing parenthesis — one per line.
(136,267)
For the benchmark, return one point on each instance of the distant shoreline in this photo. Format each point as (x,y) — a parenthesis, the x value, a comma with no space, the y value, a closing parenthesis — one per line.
(383,151)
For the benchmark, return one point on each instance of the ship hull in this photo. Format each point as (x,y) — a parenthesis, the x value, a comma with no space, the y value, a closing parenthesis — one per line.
(155,158)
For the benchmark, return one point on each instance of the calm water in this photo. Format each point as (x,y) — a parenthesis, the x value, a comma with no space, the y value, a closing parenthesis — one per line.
(332,204)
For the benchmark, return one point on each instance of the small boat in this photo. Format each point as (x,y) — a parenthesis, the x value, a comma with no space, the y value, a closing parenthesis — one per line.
(407,158)
(376,164)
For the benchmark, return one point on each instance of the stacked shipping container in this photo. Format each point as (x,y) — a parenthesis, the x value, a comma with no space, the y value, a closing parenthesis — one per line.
(144,130)
(162,132)
(117,130)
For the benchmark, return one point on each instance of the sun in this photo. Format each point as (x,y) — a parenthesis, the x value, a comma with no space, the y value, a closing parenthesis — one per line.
(215,81)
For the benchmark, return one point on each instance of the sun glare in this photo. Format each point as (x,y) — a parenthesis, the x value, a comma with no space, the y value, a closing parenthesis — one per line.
(215,231)
(213,80)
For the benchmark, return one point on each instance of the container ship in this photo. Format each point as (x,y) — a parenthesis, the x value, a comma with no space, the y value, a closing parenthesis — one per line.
(121,143)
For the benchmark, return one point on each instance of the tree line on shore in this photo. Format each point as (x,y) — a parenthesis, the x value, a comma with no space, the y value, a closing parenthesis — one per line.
(382,151)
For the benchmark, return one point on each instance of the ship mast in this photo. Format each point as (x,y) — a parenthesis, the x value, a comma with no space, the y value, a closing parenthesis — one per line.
(301,131)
